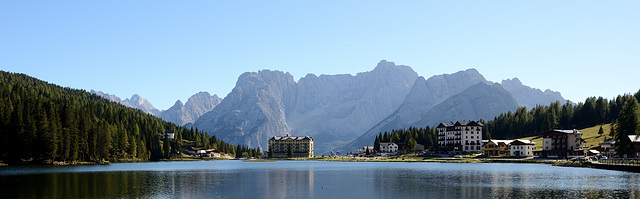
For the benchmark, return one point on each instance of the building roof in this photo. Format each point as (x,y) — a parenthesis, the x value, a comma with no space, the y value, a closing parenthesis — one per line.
(522,142)
(566,131)
(386,143)
(291,138)
(460,123)
(169,132)
(634,138)
(611,142)
(498,142)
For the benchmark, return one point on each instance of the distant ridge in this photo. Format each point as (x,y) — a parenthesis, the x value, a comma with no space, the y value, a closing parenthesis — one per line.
(180,114)
(337,109)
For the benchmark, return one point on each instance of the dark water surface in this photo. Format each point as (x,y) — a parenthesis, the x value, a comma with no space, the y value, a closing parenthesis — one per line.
(315,179)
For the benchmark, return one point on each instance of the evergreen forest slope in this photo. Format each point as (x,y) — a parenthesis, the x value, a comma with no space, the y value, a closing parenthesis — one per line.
(42,122)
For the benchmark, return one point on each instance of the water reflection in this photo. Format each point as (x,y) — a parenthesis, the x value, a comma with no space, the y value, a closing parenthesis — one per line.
(235,179)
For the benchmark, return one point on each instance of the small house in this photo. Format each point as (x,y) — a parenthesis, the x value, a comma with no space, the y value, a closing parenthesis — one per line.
(522,148)
(388,147)
(170,134)
(497,148)
(608,148)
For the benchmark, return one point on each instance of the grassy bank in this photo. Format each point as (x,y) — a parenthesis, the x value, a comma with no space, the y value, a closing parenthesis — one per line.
(590,136)
(414,158)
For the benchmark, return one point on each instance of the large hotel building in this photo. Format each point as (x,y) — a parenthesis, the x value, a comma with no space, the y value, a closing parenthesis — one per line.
(302,146)
(460,136)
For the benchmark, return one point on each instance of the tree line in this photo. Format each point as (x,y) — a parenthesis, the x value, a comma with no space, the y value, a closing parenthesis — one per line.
(408,138)
(45,122)
(523,123)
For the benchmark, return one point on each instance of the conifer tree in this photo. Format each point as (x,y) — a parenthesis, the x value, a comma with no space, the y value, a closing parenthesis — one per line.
(628,124)
(166,148)
(600,131)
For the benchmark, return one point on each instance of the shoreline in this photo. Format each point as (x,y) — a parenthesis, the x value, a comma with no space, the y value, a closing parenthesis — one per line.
(554,162)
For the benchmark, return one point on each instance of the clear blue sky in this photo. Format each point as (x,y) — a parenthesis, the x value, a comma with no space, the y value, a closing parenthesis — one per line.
(169,50)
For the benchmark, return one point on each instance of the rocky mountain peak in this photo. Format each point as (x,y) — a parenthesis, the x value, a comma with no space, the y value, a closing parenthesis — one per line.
(197,105)
(530,97)
(515,82)
(384,64)
(178,103)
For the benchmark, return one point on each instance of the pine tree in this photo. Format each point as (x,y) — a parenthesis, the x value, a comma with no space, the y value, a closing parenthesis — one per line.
(612,130)
(628,124)
(239,151)
(166,148)
(133,147)
(410,144)
(601,131)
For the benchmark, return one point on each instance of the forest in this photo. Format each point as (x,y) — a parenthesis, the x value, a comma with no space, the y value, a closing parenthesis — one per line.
(526,122)
(42,122)
(523,123)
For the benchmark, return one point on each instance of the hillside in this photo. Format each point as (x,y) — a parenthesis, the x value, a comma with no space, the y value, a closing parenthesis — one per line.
(590,136)
(42,122)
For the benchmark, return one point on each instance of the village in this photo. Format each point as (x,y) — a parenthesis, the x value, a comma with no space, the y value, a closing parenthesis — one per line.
(465,138)
(456,140)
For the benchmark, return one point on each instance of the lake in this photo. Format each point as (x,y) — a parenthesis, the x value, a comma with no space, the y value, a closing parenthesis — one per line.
(315,179)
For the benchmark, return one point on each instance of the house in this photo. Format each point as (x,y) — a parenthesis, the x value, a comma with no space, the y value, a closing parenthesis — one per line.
(522,148)
(388,147)
(170,134)
(635,145)
(368,149)
(213,152)
(561,144)
(608,148)
(460,136)
(301,146)
(497,148)
(202,153)
(420,147)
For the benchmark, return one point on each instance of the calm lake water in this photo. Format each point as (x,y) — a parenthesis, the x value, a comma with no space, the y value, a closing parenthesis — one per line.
(315,179)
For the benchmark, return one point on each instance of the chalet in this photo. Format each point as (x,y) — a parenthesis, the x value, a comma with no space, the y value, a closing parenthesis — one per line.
(522,148)
(608,148)
(497,148)
(561,144)
(170,134)
(302,146)
(460,136)
(388,147)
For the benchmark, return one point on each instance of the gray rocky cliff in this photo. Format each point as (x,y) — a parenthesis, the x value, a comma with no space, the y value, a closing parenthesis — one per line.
(254,111)
(134,102)
(196,106)
(530,97)
(481,101)
(330,108)
(424,95)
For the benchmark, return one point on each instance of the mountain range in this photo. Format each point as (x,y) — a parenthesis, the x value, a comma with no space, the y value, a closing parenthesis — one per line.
(180,114)
(345,111)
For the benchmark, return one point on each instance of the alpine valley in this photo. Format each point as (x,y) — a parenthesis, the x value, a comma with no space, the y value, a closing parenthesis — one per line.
(344,112)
